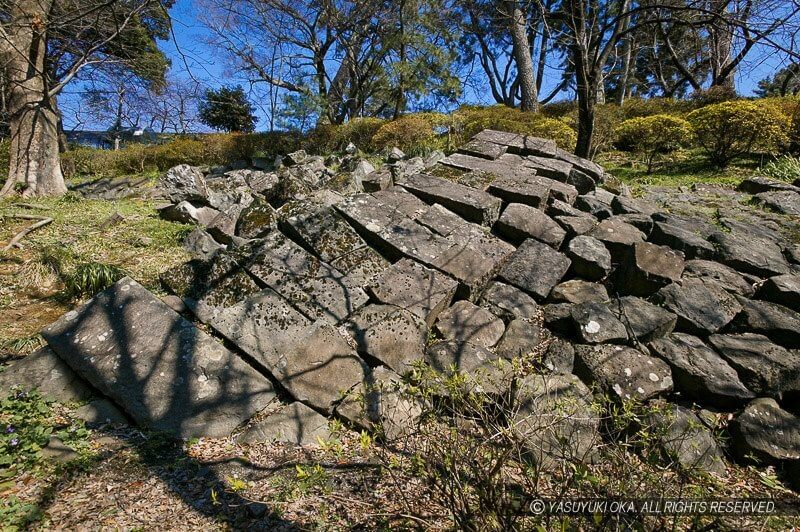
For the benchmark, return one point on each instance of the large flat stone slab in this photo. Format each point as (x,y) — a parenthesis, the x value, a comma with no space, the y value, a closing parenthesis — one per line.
(703,308)
(528,190)
(754,433)
(411,286)
(535,268)
(780,323)
(323,231)
(208,287)
(627,372)
(293,423)
(158,367)
(765,368)
(466,322)
(393,335)
(749,254)
(519,222)
(700,372)
(46,373)
(317,289)
(482,148)
(472,204)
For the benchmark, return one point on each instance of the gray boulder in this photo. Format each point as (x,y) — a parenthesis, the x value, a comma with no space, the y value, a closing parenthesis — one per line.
(766,432)
(202,245)
(521,339)
(782,289)
(692,245)
(648,267)
(685,441)
(255,221)
(590,258)
(783,201)
(293,423)
(750,254)
(618,236)
(700,372)
(519,222)
(535,268)
(184,183)
(765,368)
(46,373)
(725,276)
(628,372)
(578,291)
(507,302)
(780,324)
(163,371)
(643,321)
(596,324)
(467,322)
(702,307)
(555,420)
(392,335)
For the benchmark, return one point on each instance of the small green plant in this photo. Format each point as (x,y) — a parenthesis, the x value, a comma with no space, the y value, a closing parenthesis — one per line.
(237,485)
(786,168)
(731,129)
(653,135)
(92,277)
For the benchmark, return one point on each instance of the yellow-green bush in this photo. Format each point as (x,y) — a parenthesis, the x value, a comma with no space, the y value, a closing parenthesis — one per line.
(472,120)
(790,107)
(639,107)
(651,135)
(412,134)
(359,131)
(731,129)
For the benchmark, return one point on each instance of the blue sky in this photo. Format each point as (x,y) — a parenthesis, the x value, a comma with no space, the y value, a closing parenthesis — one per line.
(192,56)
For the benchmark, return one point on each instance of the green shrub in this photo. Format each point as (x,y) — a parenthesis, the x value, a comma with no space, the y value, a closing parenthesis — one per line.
(654,134)
(412,134)
(730,129)
(472,120)
(5,157)
(790,107)
(361,132)
(786,168)
(639,107)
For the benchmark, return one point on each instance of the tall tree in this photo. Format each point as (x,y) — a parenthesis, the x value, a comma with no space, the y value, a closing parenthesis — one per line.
(46,44)
(518,23)
(227,109)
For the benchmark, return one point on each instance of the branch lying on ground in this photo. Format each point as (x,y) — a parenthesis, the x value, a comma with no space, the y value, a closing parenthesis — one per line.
(42,221)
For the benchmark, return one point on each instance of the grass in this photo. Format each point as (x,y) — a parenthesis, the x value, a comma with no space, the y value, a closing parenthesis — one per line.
(89,245)
(683,168)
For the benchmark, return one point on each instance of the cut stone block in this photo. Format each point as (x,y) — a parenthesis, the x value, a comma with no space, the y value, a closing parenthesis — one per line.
(258,219)
(163,371)
(703,308)
(590,258)
(618,236)
(390,334)
(467,322)
(551,168)
(519,222)
(627,372)
(555,420)
(326,233)
(484,149)
(522,337)
(578,291)
(472,204)
(685,440)
(765,368)
(293,423)
(381,405)
(521,144)
(317,289)
(594,170)
(596,324)
(780,324)
(725,276)
(209,287)
(643,321)
(46,373)
(535,268)
(750,254)
(528,190)
(411,286)
(782,289)
(699,372)
(754,433)
(648,267)
(576,225)
(691,244)
(380,180)
(485,370)
(508,302)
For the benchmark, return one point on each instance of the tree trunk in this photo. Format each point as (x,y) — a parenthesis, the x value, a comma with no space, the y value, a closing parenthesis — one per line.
(722,48)
(587,93)
(33,118)
(624,75)
(522,57)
